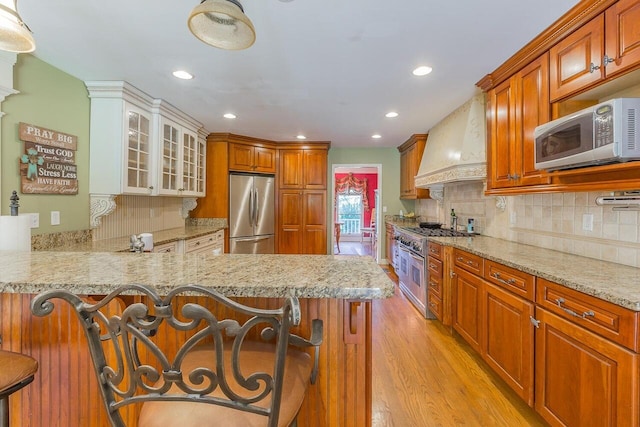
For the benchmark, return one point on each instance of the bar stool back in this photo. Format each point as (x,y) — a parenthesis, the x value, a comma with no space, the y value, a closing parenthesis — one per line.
(16,371)
(228,372)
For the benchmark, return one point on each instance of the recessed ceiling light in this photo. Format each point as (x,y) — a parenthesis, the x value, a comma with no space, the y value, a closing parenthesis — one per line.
(301,137)
(181,74)
(422,71)
(376,136)
(391,114)
(229,116)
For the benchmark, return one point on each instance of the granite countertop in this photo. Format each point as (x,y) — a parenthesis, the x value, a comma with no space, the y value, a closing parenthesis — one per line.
(98,273)
(616,283)
(121,244)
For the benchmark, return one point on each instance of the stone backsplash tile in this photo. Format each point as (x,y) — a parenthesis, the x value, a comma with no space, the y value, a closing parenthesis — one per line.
(43,242)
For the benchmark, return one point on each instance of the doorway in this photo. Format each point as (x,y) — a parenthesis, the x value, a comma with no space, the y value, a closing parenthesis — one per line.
(355,195)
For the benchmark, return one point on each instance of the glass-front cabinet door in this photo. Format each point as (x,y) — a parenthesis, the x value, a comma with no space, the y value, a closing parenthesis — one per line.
(170,157)
(138,155)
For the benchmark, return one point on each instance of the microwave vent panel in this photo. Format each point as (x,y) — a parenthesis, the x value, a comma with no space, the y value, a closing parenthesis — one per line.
(631,142)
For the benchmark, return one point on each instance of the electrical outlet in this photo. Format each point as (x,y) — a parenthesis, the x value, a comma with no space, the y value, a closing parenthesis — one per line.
(35,219)
(587,222)
(55,217)
(384,209)
(513,218)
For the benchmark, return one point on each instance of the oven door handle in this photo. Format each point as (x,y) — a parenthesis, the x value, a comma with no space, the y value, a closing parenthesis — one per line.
(403,249)
(417,258)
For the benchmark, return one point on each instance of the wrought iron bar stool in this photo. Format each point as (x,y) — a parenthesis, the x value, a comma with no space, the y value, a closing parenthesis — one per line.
(228,372)
(16,371)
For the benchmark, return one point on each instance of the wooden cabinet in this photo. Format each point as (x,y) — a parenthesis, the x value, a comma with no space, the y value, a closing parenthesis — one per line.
(583,378)
(252,158)
(492,311)
(606,45)
(410,156)
(467,309)
(390,245)
(515,108)
(302,198)
(304,169)
(130,152)
(435,285)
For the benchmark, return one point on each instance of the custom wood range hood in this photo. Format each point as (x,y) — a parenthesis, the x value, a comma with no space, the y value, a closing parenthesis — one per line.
(456,148)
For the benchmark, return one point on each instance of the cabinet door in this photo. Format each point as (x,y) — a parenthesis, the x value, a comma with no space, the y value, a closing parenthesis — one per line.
(575,62)
(532,109)
(315,169)
(264,159)
(509,339)
(581,378)
(190,165)
(467,315)
(622,35)
(290,169)
(503,135)
(314,239)
(290,223)
(241,157)
(405,190)
(137,171)
(170,146)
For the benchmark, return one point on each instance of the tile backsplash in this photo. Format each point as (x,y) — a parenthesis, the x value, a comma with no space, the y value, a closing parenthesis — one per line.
(553,221)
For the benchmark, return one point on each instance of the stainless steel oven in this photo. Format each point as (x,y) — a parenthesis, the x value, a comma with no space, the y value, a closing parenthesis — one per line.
(412,263)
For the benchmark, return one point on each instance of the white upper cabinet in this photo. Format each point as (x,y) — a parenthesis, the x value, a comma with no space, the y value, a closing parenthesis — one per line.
(141,145)
(181,155)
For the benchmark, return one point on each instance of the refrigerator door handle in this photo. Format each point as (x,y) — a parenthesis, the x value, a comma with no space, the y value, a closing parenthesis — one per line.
(256,206)
(251,239)
(251,208)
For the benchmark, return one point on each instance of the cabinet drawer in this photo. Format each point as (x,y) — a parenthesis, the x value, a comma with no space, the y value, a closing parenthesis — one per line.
(435,304)
(435,250)
(434,266)
(171,247)
(210,241)
(469,262)
(516,281)
(435,285)
(616,323)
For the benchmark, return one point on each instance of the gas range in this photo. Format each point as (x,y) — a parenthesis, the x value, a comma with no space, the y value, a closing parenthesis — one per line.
(415,238)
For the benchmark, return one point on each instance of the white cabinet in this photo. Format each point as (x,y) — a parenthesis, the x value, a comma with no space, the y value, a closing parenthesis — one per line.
(142,146)
(205,244)
(181,153)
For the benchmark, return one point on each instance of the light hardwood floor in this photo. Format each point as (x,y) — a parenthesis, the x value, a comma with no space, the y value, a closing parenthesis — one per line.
(424,376)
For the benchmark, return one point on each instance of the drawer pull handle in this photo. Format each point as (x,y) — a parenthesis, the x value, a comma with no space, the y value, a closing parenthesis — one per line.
(432,266)
(459,259)
(584,315)
(510,281)
(470,262)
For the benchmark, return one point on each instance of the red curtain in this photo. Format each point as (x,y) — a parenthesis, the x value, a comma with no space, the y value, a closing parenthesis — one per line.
(351,184)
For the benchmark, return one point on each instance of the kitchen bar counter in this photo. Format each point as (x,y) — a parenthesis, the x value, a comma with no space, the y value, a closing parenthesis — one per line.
(616,283)
(98,273)
(336,289)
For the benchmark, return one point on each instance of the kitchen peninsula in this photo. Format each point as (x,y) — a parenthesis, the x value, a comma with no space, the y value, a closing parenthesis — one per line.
(336,289)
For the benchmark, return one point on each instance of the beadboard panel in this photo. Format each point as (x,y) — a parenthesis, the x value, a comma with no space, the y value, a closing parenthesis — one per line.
(140,214)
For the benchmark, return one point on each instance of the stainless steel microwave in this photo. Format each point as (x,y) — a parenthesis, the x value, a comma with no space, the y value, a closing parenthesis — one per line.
(608,132)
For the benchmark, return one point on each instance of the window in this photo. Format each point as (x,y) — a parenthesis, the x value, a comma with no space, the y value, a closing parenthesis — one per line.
(350,213)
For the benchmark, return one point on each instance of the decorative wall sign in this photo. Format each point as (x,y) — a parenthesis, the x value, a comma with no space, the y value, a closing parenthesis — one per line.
(47,165)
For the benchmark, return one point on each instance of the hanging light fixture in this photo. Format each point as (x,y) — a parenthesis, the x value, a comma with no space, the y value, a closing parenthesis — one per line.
(223,24)
(15,36)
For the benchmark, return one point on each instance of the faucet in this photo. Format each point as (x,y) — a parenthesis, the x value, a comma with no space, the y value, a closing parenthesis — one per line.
(136,244)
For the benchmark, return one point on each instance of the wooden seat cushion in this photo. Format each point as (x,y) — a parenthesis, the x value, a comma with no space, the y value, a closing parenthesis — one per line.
(15,368)
(254,357)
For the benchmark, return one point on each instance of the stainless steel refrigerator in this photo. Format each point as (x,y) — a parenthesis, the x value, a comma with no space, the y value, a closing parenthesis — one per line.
(251,214)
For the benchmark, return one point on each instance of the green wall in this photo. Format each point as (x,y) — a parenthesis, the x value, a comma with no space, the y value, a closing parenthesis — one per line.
(389,158)
(54,100)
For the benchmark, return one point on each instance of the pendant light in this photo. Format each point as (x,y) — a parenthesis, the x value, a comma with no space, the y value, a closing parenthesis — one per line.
(223,24)
(15,36)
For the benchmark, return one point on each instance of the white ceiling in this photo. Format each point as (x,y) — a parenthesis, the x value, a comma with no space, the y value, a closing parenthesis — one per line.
(328,69)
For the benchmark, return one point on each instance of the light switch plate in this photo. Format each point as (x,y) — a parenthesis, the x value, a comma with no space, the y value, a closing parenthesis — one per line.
(35,219)
(55,217)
